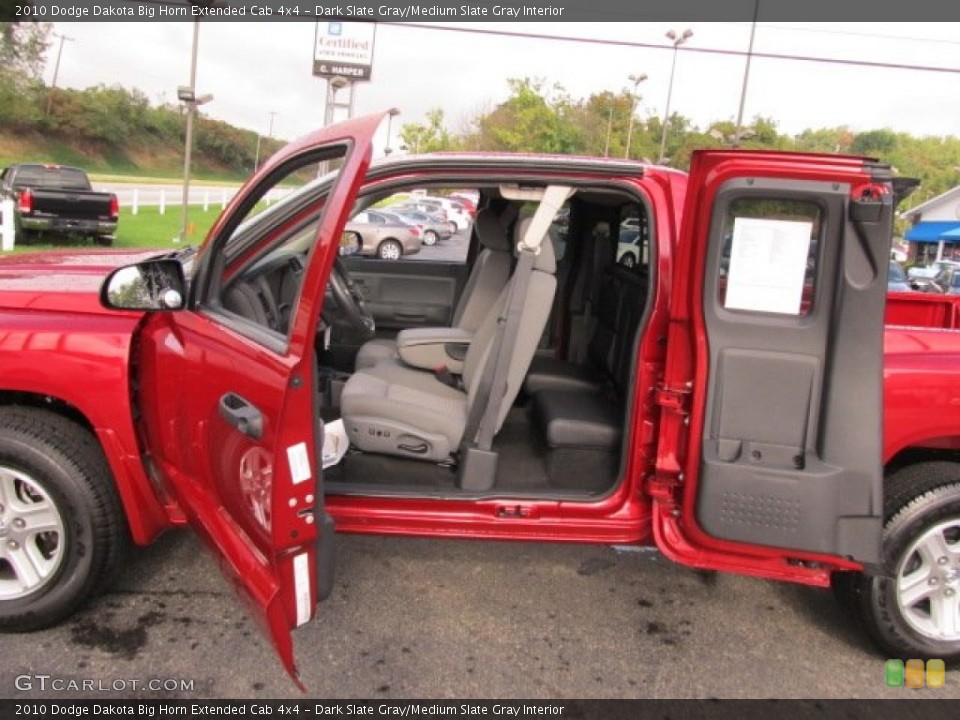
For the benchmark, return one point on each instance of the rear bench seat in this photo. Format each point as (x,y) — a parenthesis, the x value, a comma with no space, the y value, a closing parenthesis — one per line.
(578,410)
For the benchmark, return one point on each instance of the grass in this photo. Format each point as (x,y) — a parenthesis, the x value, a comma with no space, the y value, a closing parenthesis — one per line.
(148,229)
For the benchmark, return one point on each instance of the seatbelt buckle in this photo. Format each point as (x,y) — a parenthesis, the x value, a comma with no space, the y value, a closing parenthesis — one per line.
(443,374)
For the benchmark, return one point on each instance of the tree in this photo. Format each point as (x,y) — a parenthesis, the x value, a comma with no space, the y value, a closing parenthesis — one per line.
(23,49)
(431,137)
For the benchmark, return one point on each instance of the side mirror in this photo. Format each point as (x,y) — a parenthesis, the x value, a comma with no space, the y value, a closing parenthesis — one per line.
(152,285)
(349,243)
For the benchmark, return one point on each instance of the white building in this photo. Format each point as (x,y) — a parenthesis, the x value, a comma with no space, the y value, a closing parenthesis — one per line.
(936,224)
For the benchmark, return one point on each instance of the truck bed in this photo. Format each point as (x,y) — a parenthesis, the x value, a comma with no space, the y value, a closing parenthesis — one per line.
(923,310)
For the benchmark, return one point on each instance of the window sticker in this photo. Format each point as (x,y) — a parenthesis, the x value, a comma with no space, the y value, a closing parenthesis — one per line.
(768,262)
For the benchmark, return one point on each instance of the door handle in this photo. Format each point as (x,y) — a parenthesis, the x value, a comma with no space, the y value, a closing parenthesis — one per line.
(242,415)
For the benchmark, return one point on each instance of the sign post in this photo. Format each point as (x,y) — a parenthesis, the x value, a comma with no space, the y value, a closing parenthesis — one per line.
(343,55)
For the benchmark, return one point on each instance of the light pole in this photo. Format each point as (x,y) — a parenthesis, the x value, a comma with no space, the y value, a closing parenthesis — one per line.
(188,96)
(636,79)
(606,145)
(677,40)
(391,114)
(746,74)
(56,69)
(256,159)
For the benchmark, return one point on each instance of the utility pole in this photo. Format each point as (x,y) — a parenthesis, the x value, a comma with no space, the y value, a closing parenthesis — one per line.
(256,160)
(56,69)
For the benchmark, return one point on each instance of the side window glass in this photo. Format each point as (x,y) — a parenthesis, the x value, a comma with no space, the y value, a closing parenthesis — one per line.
(633,244)
(406,227)
(769,259)
(268,251)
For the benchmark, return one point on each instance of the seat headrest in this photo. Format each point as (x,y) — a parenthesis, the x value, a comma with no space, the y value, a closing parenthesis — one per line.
(547,260)
(490,231)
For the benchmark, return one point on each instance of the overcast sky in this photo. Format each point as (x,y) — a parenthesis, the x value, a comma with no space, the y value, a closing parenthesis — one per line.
(254,68)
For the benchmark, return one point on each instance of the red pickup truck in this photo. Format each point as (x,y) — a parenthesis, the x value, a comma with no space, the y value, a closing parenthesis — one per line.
(733,397)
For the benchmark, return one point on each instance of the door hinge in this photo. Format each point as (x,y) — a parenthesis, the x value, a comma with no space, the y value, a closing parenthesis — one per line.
(676,399)
(663,487)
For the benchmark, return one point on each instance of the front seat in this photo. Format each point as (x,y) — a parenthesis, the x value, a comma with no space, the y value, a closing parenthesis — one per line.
(398,410)
(490,273)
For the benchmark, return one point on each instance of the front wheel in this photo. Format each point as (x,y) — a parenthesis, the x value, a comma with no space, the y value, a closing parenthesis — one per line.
(61,527)
(389,250)
(914,610)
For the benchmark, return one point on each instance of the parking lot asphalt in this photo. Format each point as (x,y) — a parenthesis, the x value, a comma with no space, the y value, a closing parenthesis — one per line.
(413,618)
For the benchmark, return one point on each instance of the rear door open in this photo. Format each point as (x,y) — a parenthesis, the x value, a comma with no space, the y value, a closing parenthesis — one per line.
(770,456)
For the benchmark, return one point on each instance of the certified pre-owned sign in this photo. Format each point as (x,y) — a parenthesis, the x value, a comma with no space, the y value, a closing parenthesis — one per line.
(344,49)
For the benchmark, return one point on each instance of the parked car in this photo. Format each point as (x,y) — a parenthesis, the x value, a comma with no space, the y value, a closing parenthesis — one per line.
(628,247)
(930,271)
(384,238)
(431,230)
(58,201)
(454,211)
(896,279)
(948,280)
(723,420)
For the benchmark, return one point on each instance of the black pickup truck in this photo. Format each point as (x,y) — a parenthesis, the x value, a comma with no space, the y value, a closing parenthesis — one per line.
(58,201)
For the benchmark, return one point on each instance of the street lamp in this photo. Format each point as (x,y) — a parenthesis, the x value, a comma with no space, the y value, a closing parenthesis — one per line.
(677,41)
(391,114)
(256,159)
(187,94)
(636,79)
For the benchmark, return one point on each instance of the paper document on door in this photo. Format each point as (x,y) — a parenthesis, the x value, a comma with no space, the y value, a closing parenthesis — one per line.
(768,264)
(335,443)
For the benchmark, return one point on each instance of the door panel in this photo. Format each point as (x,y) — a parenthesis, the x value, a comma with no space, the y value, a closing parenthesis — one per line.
(785,432)
(409,294)
(228,404)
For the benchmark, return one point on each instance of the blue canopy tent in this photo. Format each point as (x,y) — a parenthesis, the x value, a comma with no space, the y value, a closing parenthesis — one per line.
(935,231)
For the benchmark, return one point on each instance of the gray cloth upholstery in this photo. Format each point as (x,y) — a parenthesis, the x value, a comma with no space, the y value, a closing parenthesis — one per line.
(373,352)
(489,275)
(397,410)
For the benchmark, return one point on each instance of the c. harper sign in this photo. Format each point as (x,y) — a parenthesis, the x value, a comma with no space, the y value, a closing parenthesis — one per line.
(344,49)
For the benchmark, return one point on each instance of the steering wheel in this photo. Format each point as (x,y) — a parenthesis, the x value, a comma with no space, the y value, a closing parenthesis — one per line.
(350,308)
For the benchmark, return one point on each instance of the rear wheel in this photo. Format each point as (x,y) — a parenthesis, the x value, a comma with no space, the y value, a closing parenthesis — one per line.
(61,527)
(914,611)
(430,238)
(389,250)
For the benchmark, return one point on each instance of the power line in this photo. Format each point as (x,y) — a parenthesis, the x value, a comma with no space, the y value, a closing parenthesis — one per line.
(689,49)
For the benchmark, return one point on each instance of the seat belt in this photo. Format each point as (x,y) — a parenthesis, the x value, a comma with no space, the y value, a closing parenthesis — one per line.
(482,419)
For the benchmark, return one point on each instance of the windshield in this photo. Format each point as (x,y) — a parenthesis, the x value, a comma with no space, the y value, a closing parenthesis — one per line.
(896,273)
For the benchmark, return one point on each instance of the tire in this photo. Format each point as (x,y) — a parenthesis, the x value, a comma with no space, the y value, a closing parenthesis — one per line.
(53,469)
(922,516)
(103,240)
(389,250)
(430,238)
(454,228)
